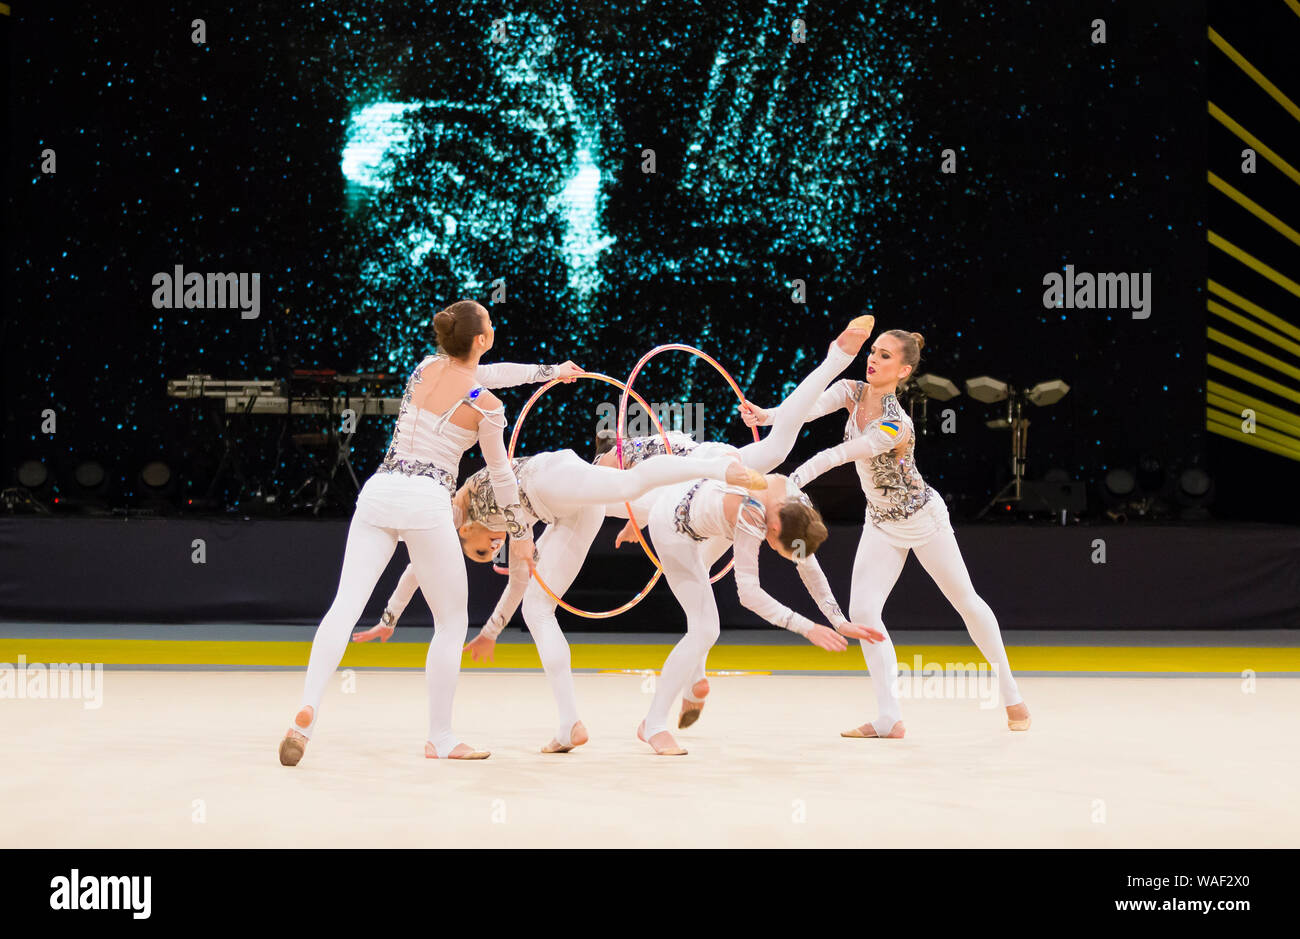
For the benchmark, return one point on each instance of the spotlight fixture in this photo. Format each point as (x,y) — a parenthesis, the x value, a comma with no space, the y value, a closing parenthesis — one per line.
(1120,483)
(1194,492)
(33,489)
(1194,486)
(937,387)
(89,476)
(156,475)
(1048,392)
(32,474)
(990,390)
(987,390)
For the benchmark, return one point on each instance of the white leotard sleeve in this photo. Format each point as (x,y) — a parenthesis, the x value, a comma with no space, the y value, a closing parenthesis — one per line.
(502,476)
(838,395)
(511,597)
(750,534)
(819,588)
(402,594)
(880,437)
(508,374)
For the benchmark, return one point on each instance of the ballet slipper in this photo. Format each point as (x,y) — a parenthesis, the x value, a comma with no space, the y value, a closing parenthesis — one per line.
(292,747)
(295,741)
(431,753)
(856,334)
(665,750)
(868,731)
(740,475)
(865,322)
(1018,723)
(693,705)
(577,737)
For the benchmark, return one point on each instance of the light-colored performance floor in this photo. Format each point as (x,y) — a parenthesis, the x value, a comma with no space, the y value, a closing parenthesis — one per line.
(188,759)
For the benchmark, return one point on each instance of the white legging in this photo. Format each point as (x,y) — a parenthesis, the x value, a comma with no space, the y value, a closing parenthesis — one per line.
(686,562)
(577,492)
(436,555)
(876,569)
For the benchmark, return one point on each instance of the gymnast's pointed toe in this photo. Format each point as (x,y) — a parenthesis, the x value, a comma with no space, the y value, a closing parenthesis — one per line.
(462,751)
(577,737)
(690,713)
(292,747)
(865,322)
(1020,719)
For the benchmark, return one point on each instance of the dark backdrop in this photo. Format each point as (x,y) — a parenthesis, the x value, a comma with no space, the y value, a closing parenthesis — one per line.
(374,163)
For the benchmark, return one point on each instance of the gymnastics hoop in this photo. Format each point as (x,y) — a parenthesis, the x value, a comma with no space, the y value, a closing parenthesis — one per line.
(514,437)
(622,424)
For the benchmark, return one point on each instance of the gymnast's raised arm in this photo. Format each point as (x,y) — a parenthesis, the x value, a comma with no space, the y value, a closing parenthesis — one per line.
(509,374)
(838,395)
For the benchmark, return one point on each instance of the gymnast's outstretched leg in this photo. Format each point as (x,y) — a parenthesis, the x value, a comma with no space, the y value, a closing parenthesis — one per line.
(364,559)
(942,560)
(562,548)
(766,454)
(875,571)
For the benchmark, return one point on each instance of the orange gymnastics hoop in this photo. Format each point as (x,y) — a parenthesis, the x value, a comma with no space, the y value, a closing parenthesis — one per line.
(514,437)
(622,424)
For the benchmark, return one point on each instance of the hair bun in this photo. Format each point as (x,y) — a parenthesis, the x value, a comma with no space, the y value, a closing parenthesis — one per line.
(920,340)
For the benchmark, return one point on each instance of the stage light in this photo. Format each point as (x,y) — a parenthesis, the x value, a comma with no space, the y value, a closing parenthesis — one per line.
(1194,493)
(89,475)
(937,387)
(1194,483)
(1120,483)
(32,474)
(156,475)
(986,389)
(1048,392)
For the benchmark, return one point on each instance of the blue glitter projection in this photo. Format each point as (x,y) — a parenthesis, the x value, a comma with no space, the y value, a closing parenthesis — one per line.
(376,163)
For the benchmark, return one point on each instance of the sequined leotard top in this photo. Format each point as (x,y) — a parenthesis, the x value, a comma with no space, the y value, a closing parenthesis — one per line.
(890,480)
(428,444)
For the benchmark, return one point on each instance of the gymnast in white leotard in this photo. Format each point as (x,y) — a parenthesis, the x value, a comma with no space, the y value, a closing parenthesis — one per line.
(903,514)
(444,411)
(693,523)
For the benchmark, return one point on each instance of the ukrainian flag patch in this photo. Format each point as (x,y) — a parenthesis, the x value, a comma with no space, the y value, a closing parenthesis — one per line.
(890,428)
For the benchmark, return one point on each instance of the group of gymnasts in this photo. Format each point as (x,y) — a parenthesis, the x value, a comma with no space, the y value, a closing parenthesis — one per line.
(696,498)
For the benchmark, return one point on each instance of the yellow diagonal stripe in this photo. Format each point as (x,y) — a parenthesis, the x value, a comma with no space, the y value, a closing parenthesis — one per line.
(1294,5)
(1251,326)
(610,656)
(1255,209)
(1249,351)
(1254,264)
(1232,368)
(1255,143)
(1229,399)
(1229,421)
(1234,433)
(1274,92)
(1254,309)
